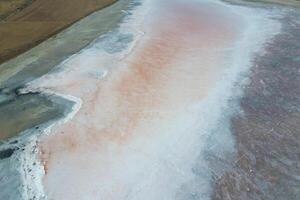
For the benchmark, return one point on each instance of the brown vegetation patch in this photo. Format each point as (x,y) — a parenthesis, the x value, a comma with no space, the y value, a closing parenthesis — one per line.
(38,21)
(9,7)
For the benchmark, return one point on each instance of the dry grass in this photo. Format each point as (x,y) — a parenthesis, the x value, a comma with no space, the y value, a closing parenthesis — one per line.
(8,7)
(41,19)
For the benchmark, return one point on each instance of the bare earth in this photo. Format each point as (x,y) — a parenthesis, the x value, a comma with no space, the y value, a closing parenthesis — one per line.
(9,7)
(38,20)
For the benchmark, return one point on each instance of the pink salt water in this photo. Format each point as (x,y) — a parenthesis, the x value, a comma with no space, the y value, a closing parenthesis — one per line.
(138,130)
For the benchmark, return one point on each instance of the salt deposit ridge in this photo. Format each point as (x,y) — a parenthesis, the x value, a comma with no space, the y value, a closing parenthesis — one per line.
(154,96)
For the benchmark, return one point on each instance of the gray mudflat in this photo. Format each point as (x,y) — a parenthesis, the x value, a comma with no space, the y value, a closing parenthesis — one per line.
(267,165)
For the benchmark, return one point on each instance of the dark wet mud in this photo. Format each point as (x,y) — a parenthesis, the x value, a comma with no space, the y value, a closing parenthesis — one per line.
(27,111)
(6,153)
(267,131)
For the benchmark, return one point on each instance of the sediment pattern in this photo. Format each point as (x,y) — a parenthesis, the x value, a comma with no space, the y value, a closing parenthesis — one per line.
(267,133)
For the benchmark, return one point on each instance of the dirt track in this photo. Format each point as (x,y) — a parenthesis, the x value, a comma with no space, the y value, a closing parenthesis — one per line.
(40,20)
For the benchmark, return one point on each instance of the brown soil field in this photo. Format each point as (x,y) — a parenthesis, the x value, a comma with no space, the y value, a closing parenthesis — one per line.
(30,22)
(9,7)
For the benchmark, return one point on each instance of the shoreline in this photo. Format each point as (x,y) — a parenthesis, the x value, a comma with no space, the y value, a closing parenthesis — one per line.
(19,161)
(16,73)
(32,174)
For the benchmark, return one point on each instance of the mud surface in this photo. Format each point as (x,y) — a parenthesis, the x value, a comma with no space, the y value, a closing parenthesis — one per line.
(27,111)
(267,132)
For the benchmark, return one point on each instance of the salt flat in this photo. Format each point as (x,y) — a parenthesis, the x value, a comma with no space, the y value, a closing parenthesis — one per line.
(151,93)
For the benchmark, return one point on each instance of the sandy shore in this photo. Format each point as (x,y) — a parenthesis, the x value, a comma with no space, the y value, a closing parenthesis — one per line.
(152,94)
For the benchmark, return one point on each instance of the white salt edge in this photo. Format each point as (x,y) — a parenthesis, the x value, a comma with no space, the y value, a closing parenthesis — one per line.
(33,181)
